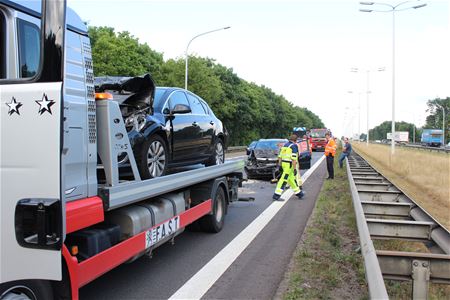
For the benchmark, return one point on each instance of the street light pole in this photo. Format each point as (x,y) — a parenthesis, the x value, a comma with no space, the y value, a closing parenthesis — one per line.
(367,142)
(187,48)
(359,115)
(356,70)
(393,85)
(392,9)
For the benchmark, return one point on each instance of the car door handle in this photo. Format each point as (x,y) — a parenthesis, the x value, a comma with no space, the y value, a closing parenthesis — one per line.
(212,123)
(195,124)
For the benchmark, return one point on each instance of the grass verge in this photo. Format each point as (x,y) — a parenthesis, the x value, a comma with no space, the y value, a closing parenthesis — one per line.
(325,264)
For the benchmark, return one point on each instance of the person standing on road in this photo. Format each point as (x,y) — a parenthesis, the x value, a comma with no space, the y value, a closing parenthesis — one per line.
(330,151)
(346,150)
(287,159)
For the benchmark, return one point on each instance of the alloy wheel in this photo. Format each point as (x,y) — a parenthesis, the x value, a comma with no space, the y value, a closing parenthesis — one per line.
(156,159)
(219,207)
(19,292)
(219,154)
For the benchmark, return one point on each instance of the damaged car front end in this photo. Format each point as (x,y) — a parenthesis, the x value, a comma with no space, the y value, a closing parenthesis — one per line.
(262,159)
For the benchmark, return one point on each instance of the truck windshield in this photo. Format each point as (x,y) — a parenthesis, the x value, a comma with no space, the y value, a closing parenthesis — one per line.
(2,46)
(318,133)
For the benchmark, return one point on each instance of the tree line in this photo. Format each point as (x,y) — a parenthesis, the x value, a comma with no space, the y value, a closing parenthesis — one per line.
(248,111)
(433,121)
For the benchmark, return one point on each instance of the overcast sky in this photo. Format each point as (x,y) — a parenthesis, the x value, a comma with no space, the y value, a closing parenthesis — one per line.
(303,50)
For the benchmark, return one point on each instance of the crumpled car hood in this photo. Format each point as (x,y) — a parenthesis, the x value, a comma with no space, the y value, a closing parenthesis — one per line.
(137,91)
(265,153)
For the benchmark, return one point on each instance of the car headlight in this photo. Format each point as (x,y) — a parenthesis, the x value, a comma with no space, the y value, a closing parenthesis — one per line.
(136,122)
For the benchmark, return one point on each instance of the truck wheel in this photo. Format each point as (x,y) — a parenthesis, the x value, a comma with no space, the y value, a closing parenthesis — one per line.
(26,289)
(218,156)
(214,223)
(153,158)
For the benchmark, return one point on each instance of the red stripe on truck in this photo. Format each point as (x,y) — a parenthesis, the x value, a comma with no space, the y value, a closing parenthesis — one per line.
(103,262)
(84,213)
(195,213)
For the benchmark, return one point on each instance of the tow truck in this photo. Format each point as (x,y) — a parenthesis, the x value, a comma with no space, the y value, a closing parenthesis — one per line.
(61,226)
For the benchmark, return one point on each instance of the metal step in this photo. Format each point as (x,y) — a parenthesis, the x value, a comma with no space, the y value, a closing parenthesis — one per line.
(386,208)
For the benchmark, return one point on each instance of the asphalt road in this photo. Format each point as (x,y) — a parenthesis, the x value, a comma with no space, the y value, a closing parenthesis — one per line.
(256,273)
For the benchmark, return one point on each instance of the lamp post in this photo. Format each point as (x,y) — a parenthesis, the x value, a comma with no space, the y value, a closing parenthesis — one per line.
(393,9)
(187,48)
(356,70)
(443,123)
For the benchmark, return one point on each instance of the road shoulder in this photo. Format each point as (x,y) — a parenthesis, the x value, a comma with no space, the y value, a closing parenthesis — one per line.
(325,264)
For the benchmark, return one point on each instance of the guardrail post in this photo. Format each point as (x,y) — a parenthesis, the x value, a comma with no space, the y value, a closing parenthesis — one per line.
(421,278)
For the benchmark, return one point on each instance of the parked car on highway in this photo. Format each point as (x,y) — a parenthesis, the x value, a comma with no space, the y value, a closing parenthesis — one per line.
(262,160)
(167,126)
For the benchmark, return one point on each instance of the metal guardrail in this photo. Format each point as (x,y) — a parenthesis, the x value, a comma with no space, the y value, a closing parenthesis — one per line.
(377,289)
(383,211)
(236,148)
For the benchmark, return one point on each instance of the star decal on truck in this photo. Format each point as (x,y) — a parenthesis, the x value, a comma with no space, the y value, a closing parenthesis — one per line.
(14,106)
(45,104)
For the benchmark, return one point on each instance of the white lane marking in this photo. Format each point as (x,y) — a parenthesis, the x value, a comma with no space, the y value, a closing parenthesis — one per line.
(204,279)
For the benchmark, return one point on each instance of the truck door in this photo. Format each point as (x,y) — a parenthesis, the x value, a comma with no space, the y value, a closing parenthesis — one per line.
(31,199)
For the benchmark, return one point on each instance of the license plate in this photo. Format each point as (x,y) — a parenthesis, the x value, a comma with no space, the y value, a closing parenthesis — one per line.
(163,230)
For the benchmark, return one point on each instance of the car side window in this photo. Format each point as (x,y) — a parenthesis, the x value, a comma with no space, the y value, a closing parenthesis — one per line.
(29,48)
(196,105)
(2,47)
(205,107)
(178,98)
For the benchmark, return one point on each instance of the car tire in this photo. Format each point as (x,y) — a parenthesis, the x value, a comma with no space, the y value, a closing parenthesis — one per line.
(153,157)
(26,289)
(306,166)
(218,156)
(214,222)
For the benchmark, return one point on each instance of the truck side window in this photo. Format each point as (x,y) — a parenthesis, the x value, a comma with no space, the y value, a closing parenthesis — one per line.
(2,47)
(29,48)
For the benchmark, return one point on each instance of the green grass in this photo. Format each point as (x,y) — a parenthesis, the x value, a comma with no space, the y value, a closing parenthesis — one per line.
(326,264)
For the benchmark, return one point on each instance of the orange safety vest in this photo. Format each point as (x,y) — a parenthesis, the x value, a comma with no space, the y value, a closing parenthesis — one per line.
(330,148)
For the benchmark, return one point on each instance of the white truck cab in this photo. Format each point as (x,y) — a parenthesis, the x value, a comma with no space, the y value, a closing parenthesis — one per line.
(61,227)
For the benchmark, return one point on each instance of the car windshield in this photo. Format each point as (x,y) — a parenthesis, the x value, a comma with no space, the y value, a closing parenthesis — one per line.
(318,133)
(272,144)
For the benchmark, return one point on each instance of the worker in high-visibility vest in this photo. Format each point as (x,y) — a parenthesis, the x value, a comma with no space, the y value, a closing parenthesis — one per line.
(288,159)
(330,152)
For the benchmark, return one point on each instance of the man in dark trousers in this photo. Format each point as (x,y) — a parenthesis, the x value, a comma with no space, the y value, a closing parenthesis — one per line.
(346,150)
(330,151)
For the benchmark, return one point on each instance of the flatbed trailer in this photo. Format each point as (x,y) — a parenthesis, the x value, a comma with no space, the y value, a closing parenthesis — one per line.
(62,226)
